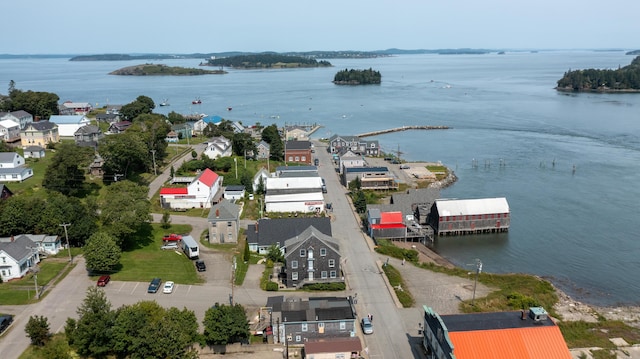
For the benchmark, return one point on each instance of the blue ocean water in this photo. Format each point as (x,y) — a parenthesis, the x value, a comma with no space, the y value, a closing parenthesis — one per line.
(568,164)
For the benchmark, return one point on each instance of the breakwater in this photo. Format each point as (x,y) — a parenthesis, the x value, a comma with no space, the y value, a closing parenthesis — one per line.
(403,128)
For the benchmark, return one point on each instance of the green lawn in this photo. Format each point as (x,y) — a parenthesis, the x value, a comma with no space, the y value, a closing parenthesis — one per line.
(22,291)
(149,261)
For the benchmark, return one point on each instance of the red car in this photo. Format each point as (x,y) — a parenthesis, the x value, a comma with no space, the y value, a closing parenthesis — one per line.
(172,237)
(103,280)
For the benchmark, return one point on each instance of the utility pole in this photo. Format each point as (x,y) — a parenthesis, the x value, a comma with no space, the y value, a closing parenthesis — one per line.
(235,159)
(153,153)
(475,282)
(233,279)
(66,235)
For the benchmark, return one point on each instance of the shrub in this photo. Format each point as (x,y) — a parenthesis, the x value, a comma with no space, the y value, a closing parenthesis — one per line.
(272,287)
(325,287)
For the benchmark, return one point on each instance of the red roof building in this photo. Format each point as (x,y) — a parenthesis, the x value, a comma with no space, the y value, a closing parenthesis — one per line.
(200,193)
(502,335)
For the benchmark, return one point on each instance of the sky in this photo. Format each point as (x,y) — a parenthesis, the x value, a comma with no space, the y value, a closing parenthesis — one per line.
(211,26)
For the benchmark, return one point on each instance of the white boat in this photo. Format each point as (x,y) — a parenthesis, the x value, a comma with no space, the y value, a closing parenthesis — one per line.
(165,102)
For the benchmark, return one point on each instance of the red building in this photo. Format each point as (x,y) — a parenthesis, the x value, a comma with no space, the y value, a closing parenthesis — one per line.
(297,152)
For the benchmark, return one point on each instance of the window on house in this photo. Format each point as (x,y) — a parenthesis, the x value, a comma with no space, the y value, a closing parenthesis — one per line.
(229,224)
(323,252)
(290,158)
(294,276)
(323,274)
(304,158)
(303,253)
(332,263)
(294,264)
(298,338)
(332,274)
(230,237)
(343,325)
(4,259)
(304,327)
(297,158)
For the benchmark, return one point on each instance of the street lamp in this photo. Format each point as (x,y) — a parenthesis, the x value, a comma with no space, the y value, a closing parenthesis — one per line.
(475,282)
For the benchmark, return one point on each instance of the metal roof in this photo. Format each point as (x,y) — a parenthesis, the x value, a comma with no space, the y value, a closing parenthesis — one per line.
(456,207)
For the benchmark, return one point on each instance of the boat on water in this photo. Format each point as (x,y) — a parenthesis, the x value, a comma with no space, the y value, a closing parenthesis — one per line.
(165,102)
(197,101)
(229,108)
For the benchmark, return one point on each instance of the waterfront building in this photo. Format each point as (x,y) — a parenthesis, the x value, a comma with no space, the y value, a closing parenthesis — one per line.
(466,216)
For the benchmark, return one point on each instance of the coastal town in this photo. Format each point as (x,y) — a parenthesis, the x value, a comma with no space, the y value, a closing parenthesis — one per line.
(331,237)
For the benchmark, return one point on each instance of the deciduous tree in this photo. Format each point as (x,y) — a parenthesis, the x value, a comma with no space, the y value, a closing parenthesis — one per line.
(102,253)
(90,335)
(125,209)
(225,324)
(66,170)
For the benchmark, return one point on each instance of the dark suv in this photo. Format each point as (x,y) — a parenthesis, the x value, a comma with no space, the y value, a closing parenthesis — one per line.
(201,266)
(5,322)
(154,285)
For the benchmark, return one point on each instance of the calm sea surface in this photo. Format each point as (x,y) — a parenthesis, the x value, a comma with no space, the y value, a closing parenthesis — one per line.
(579,228)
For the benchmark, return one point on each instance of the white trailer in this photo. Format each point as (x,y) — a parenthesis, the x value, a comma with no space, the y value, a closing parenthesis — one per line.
(190,247)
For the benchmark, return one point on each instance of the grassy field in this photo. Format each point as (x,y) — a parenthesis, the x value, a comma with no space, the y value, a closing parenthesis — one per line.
(149,261)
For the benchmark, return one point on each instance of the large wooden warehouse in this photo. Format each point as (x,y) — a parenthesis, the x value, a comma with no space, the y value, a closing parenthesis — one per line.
(467,216)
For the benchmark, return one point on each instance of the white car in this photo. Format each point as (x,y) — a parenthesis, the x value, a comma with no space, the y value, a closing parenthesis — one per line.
(168,287)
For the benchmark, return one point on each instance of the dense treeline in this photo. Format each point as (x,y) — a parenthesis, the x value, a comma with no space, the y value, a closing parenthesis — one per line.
(621,80)
(267,61)
(162,70)
(357,77)
(39,104)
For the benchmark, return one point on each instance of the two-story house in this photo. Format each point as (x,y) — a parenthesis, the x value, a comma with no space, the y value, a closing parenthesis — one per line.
(297,321)
(339,143)
(199,193)
(348,159)
(9,131)
(39,133)
(224,222)
(118,127)
(88,136)
(312,257)
(269,232)
(297,152)
(263,150)
(17,256)
(21,117)
(13,168)
(218,147)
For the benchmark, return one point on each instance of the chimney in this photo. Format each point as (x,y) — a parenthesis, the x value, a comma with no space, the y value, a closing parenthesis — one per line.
(523,316)
(256,226)
(218,213)
(12,239)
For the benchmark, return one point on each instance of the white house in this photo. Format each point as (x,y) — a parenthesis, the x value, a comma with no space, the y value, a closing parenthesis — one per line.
(69,124)
(294,194)
(218,147)
(234,192)
(350,160)
(17,256)
(13,168)
(50,245)
(261,175)
(9,130)
(199,193)
(20,116)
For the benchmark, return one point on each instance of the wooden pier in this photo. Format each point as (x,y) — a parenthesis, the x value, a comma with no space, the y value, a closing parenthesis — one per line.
(403,128)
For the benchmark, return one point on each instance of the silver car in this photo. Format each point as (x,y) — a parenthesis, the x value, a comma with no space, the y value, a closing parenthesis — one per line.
(367,327)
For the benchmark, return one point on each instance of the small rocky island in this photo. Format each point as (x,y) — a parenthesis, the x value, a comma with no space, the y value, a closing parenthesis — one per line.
(622,80)
(357,77)
(163,70)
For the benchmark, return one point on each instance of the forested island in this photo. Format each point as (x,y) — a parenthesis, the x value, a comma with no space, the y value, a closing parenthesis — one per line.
(357,77)
(163,70)
(267,61)
(624,79)
(634,52)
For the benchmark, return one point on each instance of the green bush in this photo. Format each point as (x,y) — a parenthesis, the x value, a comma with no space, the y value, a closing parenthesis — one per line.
(272,287)
(325,287)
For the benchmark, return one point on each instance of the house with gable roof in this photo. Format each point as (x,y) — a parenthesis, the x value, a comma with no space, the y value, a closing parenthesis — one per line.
(200,193)
(224,222)
(263,150)
(218,147)
(13,168)
(75,108)
(9,130)
(34,152)
(312,257)
(17,256)
(69,124)
(21,117)
(339,143)
(118,127)
(88,136)
(268,232)
(348,159)
(260,176)
(39,133)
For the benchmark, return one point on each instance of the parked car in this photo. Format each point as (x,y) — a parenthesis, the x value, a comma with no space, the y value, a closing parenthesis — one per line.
(404,167)
(170,246)
(172,237)
(154,285)
(251,197)
(316,162)
(367,327)
(103,280)
(168,287)
(5,322)
(200,266)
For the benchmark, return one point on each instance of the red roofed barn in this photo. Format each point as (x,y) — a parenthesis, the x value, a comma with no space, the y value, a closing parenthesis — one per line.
(198,194)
